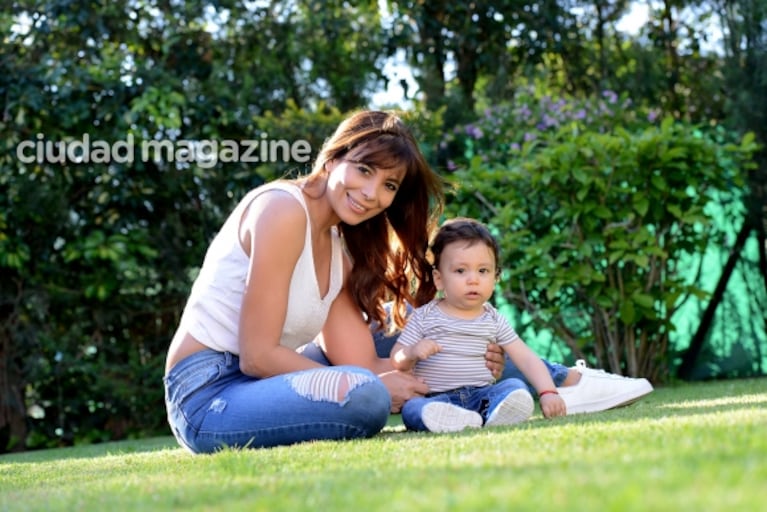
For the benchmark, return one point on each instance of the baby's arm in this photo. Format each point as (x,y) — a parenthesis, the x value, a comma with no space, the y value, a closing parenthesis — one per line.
(405,357)
(538,375)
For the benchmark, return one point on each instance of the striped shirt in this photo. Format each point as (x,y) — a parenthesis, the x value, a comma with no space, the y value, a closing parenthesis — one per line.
(464,343)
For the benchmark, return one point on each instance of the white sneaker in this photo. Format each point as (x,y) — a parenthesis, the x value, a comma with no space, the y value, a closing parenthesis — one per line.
(444,417)
(599,390)
(515,408)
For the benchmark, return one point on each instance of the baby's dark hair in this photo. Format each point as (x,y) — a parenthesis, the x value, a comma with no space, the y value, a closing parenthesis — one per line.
(464,229)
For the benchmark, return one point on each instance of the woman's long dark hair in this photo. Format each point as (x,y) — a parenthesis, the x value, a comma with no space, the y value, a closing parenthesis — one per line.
(388,250)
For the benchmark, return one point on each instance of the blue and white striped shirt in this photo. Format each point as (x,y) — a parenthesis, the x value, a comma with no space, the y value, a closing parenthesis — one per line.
(464,343)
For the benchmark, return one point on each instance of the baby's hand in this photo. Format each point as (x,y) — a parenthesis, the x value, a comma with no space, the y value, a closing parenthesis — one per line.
(552,405)
(424,349)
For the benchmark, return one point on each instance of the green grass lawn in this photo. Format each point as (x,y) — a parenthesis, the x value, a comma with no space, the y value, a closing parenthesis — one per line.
(697,447)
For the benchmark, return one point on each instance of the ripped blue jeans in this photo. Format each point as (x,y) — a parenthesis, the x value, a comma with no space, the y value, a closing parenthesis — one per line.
(211,404)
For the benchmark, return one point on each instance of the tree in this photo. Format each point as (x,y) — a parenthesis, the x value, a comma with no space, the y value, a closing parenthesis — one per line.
(485,39)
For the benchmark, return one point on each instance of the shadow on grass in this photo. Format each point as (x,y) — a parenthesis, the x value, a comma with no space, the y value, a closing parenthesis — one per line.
(92,450)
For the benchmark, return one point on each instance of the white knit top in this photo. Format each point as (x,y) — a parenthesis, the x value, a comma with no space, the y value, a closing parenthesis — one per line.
(212,312)
(464,343)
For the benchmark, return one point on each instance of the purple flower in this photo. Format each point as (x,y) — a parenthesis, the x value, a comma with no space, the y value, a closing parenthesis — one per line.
(524,112)
(473,131)
(548,121)
(611,96)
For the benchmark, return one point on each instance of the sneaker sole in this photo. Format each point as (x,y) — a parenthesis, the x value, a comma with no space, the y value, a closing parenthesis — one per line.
(444,417)
(612,402)
(515,408)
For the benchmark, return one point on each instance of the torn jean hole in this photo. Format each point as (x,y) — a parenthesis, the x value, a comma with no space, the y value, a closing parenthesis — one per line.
(327,385)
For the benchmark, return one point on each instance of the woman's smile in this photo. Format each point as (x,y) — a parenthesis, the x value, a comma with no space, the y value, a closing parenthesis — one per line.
(356,206)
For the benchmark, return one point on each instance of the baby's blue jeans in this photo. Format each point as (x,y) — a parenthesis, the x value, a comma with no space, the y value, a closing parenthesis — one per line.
(481,400)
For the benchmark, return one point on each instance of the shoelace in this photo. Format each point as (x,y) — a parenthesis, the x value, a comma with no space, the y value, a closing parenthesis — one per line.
(580,365)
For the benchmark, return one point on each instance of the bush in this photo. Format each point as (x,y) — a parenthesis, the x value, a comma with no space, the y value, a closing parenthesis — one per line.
(594,214)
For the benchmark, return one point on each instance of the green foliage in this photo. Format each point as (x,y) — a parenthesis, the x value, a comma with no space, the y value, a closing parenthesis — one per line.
(483,41)
(294,124)
(595,210)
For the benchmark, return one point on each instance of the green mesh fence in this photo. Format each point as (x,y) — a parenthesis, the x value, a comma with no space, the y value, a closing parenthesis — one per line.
(736,343)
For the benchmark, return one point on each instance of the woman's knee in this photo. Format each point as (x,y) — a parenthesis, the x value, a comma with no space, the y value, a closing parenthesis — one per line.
(367,401)
(332,384)
(358,391)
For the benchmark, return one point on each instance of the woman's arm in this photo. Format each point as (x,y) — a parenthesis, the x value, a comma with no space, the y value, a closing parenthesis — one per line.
(272,233)
(495,359)
(346,339)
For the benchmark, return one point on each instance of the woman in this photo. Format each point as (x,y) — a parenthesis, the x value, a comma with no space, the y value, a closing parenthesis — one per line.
(304,259)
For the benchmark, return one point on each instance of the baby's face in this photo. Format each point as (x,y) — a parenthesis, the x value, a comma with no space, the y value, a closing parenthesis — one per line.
(466,275)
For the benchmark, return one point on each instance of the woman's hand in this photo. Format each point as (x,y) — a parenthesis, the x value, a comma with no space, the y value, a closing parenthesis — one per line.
(402,386)
(495,359)
(552,405)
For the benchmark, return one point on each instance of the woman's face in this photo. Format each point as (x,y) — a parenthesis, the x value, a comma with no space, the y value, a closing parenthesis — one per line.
(357,190)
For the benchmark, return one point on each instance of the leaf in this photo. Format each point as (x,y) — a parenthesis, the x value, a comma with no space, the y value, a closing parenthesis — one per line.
(659,183)
(603,212)
(615,256)
(642,260)
(580,175)
(643,300)
(674,210)
(641,205)
(553,290)
(627,312)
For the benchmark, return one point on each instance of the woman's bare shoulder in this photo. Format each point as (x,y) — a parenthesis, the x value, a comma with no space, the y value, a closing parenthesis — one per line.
(275,216)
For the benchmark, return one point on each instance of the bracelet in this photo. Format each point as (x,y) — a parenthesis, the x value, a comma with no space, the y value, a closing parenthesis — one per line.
(548,392)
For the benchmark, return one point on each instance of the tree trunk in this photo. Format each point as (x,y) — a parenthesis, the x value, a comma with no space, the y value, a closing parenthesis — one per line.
(13,417)
(696,344)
